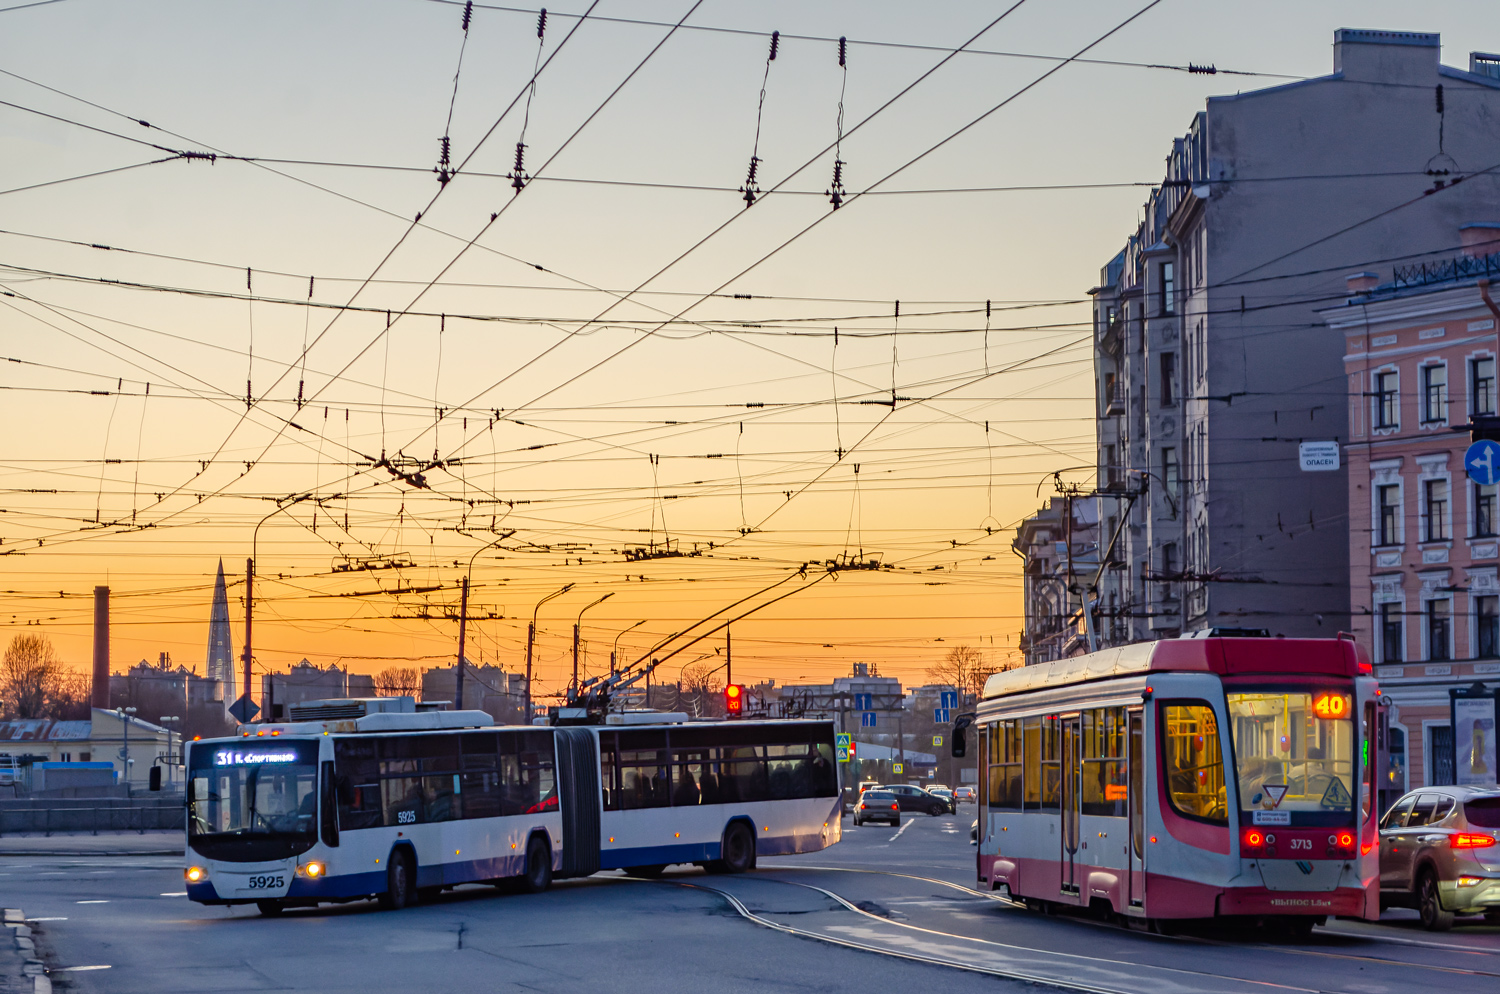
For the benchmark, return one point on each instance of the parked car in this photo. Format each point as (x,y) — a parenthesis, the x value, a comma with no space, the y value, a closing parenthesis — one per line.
(965,795)
(1439,854)
(916,799)
(945,795)
(878,804)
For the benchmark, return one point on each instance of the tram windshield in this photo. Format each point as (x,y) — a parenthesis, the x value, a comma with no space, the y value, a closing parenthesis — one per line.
(1294,754)
(253,802)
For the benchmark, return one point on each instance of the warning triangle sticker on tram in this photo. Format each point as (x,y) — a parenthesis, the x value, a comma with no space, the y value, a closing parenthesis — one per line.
(1275,791)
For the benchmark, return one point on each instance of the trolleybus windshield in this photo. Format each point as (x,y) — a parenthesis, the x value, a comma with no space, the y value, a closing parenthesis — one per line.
(249,802)
(1294,756)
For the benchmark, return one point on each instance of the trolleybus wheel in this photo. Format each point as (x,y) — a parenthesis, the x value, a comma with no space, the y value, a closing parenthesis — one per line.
(738,850)
(647,872)
(398,882)
(270,908)
(538,876)
(1434,918)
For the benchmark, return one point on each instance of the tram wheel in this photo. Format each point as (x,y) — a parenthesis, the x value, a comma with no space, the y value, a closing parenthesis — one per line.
(270,908)
(538,876)
(646,872)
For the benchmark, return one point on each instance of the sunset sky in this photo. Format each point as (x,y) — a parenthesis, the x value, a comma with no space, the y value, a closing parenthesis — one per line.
(623,357)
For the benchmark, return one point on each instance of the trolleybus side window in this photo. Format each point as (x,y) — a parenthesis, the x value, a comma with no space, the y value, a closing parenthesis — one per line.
(1104,770)
(528,760)
(357,762)
(479,781)
(1005,764)
(1193,761)
(645,778)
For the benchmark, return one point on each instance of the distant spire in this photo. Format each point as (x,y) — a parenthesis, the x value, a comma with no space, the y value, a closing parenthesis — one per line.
(220,642)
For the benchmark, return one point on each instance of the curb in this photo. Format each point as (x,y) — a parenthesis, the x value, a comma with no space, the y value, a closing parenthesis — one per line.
(32,966)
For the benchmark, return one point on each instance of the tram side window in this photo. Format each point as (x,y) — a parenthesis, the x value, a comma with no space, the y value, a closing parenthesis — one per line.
(1104,770)
(1005,765)
(1051,764)
(1193,761)
(1031,739)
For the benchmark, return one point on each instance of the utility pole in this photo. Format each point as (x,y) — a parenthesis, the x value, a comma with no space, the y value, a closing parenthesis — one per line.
(100,689)
(463,620)
(249,621)
(728,658)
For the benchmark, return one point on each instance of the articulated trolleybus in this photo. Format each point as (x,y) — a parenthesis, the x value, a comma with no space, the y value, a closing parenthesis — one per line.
(1187,778)
(340,805)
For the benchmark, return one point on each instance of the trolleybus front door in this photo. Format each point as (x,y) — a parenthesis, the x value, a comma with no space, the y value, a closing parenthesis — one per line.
(1071,754)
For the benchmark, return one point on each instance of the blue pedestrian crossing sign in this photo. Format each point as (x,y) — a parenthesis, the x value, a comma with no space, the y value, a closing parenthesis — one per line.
(941,715)
(867,719)
(1482,462)
(841,746)
(950,699)
(864,702)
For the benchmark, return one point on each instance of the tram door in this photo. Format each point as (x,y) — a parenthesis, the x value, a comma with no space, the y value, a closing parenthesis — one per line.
(1072,754)
(1137,810)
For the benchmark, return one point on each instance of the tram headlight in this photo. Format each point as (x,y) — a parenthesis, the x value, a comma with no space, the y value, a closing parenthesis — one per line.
(313,869)
(195,874)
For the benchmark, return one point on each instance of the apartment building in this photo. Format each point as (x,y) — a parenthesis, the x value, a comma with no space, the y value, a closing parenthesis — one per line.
(1424,535)
(1212,362)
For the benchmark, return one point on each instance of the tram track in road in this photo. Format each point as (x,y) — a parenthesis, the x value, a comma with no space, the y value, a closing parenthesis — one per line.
(1372,958)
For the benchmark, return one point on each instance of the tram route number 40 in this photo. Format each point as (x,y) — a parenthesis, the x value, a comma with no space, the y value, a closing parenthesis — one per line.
(1331,705)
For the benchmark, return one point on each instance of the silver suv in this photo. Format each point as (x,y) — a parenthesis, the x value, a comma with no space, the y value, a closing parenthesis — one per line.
(1439,854)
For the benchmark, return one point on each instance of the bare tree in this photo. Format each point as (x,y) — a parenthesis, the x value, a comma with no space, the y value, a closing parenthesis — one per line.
(399,681)
(35,684)
(965,669)
(701,685)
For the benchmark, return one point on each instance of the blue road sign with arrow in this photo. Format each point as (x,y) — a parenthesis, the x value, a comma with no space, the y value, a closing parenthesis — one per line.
(1482,462)
(867,719)
(941,715)
(950,699)
(864,702)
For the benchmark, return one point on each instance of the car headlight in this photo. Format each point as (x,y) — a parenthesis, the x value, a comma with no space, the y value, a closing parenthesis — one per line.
(195,874)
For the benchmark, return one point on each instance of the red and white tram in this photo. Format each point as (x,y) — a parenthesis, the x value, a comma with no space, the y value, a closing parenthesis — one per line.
(1185,778)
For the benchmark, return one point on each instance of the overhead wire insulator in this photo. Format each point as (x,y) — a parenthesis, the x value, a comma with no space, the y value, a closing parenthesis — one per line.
(750,190)
(775,42)
(517,175)
(835,192)
(444,167)
(541,23)
(468,14)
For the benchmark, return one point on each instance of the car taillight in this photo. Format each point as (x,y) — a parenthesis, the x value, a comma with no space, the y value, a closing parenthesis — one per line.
(1472,840)
(897,806)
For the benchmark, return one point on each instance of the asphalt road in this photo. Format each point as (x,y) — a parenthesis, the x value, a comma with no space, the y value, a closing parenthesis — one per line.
(886,909)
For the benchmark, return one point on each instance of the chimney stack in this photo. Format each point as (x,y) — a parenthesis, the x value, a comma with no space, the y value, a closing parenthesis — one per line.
(1479,240)
(101,647)
(1358,283)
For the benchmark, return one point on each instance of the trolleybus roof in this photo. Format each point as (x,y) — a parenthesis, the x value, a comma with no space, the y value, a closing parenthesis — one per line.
(1224,656)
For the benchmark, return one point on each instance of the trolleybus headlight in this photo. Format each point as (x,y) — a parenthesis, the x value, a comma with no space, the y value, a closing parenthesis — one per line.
(195,874)
(313,869)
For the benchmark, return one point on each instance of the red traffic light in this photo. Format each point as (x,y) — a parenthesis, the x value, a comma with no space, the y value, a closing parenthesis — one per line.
(734,699)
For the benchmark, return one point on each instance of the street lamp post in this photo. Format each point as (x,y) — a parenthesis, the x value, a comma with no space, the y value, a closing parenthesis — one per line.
(577,624)
(250,591)
(615,649)
(531,643)
(125,714)
(463,620)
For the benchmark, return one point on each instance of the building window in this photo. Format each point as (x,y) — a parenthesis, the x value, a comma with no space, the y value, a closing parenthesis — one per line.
(1170,474)
(1434,394)
(1169,561)
(1386,397)
(1482,386)
(1388,504)
(1439,630)
(1435,511)
(1484,510)
(1487,626)
(1111,467)
(1168,288)
(1392,635)
(1168,379)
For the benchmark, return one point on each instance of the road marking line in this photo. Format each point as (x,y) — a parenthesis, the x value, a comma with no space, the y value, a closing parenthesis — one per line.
(175,893)
(92,902)
(46,919)
(904,826)
(79,969)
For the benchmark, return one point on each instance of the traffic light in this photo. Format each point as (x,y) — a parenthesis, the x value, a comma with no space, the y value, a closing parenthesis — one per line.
(853,745)
(734,700)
